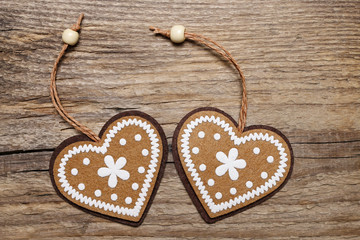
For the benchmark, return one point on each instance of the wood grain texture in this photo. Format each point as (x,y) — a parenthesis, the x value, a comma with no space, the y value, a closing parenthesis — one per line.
(301,60)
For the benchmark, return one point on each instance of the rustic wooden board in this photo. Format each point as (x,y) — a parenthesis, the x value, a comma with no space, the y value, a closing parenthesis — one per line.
(302,64)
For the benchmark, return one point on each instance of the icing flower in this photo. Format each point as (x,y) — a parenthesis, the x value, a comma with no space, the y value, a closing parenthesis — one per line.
(113,170)
(230,163)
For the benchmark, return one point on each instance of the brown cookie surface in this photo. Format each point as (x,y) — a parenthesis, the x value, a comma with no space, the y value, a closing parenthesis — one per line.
(116,178)
(225,171)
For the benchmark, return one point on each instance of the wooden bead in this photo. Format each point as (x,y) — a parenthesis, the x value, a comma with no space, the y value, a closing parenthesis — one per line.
(177,34)
(70,37)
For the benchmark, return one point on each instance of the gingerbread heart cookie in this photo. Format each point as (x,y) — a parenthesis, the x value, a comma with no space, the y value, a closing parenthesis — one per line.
(116,178)
(224,171)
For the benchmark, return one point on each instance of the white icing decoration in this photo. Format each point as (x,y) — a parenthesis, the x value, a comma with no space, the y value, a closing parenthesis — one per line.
(216,136)
(114,170)
(143,193)
(145,152)
(218,195)
(201,134)
(230,163)
(270,159)
(211,182)
(135,186)
(256,150)
(114,197)
(233,191)
(137,137)
(81,186)
(97,193)
(122,141)
(86,161)
(74,171)
(264,175)
(128,200)
(202,167)
(249,184)
(141,169)
(185,150)
(195,150)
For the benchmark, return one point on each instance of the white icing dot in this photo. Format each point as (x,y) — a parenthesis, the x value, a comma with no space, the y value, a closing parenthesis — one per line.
(135,186)
(249,184)
(218,195)
(122,141)
(114,196)
(98,193)
(233,191)
(137,137)
(141,169)
(74,171)
(128,200)
(264,175)
(86,161)
(195,150)
(201,134)
(211,182)
(145,152)
(270,159)
(202,167)
(256,150)
(81,186)
(216,136)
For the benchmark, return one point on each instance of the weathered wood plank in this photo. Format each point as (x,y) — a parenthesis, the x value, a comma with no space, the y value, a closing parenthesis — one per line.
(301,60)
(308,200)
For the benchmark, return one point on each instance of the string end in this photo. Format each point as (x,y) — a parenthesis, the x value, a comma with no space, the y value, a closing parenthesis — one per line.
(76,27)
(156,30)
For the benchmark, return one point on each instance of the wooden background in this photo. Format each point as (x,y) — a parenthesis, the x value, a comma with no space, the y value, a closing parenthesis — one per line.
(302,64)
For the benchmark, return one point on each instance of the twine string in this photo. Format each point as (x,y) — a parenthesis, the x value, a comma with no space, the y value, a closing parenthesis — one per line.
(223,52)
(55,97)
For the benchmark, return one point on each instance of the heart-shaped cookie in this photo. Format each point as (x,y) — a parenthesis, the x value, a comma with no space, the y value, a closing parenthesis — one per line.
(224,171)
(116,178)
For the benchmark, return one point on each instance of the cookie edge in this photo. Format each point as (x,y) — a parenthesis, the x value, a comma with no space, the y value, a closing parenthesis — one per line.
(78,138)
(188,185)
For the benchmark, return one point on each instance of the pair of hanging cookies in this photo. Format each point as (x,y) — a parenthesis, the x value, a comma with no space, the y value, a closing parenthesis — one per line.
(224,166)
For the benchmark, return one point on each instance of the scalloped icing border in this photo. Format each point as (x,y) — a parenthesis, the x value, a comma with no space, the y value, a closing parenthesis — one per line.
(237,141)
(103,149)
